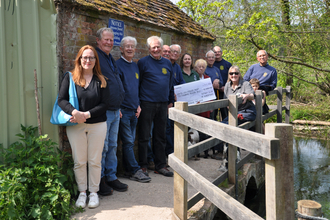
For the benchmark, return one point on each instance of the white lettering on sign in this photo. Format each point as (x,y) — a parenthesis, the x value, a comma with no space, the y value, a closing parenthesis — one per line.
(116,23)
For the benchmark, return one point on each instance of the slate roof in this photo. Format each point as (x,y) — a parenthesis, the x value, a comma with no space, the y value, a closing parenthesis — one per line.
(162,13)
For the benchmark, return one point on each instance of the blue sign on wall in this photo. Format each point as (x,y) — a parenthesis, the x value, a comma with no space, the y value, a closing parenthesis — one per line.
(118,30)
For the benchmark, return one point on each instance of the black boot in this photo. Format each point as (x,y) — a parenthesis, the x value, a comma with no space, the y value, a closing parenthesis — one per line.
(105,189)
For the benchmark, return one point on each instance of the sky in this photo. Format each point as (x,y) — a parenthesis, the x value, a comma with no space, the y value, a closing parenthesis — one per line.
(174,1)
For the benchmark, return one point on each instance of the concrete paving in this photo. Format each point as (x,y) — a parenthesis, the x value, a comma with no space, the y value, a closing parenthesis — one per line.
(147,201)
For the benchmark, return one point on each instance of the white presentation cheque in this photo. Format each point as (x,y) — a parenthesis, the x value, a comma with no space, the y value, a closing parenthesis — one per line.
(195,92)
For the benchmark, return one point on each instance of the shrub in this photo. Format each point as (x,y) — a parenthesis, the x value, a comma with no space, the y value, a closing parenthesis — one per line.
(36,179)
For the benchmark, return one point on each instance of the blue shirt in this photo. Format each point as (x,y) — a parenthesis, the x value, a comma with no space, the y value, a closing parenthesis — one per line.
(156,80)
(214,73)
(177,75)
(129,75)
(114,83)
(266,75)
(224,66)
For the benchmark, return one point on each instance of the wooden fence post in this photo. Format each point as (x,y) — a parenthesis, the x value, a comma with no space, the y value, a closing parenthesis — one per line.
(258,101)
(279,175)
(181,152)
(287,104)
(232,150)
(279,104)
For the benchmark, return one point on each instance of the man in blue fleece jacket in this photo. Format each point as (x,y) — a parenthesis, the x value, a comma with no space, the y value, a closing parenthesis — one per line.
(130,108)
(265,73)
(104,39)
(156,95)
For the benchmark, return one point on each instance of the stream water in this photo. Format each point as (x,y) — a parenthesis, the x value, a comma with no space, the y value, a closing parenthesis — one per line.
(312,171)
(311,158)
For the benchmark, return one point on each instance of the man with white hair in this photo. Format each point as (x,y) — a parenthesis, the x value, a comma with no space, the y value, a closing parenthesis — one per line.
(130,108)
(223,66)
(214,73)
(262,71)
(156,95)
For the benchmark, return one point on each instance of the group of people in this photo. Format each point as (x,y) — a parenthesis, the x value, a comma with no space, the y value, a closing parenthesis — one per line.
(114,95)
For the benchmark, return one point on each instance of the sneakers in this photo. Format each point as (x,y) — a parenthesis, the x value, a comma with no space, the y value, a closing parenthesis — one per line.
(117,185)
(105,189)
(164,171)
(140,177)
(151,165)
(93,200)
(81,201)
(145,171)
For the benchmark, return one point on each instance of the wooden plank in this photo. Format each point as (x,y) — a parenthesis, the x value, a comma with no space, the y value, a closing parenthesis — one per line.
(287,104)
(222,200)
(304,122)
(247,125)
(279,104)
(198,196)
(268,115)
(232,149)
(279,175)
(207,106)
(181,152)
(274,92)
(202,146)
(259,144)
(258,100)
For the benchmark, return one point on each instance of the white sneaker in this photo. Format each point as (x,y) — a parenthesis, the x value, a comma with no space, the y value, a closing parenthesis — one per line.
(93,201)
(81,201)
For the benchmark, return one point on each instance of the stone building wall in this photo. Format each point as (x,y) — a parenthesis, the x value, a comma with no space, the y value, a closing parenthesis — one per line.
(77,27)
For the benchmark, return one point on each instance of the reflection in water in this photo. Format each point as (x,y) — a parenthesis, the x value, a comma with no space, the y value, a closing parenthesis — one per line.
(312,171)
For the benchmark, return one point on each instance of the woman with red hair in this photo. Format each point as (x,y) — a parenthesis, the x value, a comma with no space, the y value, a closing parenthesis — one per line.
(87,137)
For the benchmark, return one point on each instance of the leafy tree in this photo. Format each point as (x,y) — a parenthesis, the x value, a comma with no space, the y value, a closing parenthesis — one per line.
(295,34)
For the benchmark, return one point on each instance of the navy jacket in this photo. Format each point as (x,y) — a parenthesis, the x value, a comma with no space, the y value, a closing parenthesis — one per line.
(117,92)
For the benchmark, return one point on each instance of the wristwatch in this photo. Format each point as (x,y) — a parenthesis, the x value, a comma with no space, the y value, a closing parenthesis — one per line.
(89,115)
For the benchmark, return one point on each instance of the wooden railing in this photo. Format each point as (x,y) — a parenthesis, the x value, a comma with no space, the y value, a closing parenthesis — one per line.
(275,146)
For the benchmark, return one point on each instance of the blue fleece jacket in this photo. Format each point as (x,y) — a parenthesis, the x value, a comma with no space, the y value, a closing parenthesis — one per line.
(177,75)
(156,80)
(214,73)
(114,83)
(129,75)
(266,75)
(224,66)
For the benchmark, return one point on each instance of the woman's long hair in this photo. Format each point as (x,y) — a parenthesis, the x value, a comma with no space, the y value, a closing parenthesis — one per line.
(192,61)
(77,72)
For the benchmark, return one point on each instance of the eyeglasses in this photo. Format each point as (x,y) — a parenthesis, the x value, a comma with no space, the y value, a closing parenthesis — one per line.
(129,46)
(234,73)
(175,51)
(88,58)
(210,57)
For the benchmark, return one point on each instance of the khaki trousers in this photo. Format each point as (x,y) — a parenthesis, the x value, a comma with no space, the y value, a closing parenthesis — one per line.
(87,142)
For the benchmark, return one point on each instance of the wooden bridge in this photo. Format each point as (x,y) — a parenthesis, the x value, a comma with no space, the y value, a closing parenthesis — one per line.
(275,146)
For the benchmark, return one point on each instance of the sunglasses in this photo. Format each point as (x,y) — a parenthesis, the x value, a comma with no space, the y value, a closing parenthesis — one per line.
(234,73)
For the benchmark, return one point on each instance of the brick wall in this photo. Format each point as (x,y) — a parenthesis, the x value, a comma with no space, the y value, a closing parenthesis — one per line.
(77,27)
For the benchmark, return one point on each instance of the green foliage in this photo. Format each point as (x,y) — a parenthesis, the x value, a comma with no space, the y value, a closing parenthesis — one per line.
(36,179)
(294,33)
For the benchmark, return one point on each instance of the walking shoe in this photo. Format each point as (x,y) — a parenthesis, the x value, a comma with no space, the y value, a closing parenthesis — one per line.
(140,177)
(105,189)
(151,165)
(164,171)
(93,201)
(145,171)
(117,185)
(81,201)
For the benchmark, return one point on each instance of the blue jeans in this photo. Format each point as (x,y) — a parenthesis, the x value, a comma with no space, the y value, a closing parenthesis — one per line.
(109,157)
(127,128)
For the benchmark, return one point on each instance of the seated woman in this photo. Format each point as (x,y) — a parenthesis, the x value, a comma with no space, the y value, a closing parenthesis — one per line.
(237,86)
(87,137)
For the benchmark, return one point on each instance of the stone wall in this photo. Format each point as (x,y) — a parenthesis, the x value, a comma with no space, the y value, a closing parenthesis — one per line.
(77,27)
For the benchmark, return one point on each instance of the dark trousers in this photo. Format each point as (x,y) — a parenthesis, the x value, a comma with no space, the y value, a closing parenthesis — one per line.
(169,137)
(152,112)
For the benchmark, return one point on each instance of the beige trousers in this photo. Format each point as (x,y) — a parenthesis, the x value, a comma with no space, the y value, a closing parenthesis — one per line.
(87,142)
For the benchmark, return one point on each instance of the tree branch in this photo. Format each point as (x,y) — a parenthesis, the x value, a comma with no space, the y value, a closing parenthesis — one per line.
(288,61)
